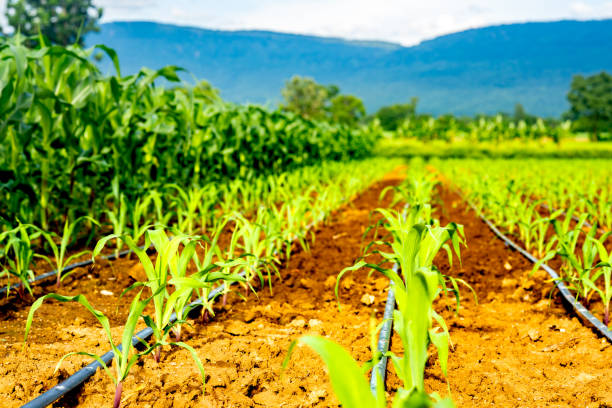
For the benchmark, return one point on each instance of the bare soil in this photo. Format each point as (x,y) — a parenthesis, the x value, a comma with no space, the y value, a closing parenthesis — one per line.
(513,348)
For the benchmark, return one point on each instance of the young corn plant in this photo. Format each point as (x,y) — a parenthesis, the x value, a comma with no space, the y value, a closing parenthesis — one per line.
(125,355)
(211,269)
(141,217)
(577,267)
(187,204)
(59,253)
(19,256)
(604,271)
(348,379)
(253,241)
(414,246)
(169,260)
(117,216)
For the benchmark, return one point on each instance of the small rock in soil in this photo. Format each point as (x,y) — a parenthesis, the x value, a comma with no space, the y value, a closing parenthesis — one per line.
(367,299)
(542,305)
(381,284)
(507,266)
(314,323)
(518,294)
(534,335)
(105,292)
(330,282)
(528,284)
(237,328)
(509,283)
(298,323)
(347,283)
(249,315)
(266,398)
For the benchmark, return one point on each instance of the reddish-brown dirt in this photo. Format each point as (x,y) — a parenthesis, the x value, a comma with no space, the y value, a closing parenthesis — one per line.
(512,349)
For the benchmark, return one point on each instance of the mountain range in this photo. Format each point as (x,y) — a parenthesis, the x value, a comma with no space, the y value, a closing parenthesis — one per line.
(482,70)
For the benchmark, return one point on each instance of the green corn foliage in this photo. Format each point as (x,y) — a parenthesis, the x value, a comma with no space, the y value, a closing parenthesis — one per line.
(604,272)
(70,135)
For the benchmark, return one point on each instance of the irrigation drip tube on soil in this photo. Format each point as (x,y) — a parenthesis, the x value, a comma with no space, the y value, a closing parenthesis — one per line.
(582,312)
(384,338)
(68,268)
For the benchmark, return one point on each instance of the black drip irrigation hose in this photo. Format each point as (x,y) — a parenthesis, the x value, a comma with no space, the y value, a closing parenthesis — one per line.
(582,312)
(384,338)
(68,268)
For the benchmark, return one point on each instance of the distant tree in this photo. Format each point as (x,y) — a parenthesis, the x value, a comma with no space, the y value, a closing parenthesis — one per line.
(392,116)
(590,101)
(63,22)
(521,114)
(346,109)
(305,97)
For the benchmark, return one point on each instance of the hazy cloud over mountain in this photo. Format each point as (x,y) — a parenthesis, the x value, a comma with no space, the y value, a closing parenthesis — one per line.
(404,21)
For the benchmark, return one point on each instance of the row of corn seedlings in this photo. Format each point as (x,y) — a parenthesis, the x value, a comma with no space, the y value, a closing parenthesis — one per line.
(189,266)
(187,211)
(412,241)
(509,193)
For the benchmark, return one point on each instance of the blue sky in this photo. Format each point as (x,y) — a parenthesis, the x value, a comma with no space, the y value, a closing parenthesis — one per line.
(402,21)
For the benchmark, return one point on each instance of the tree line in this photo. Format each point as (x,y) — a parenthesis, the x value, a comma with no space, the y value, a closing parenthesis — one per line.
(66,22)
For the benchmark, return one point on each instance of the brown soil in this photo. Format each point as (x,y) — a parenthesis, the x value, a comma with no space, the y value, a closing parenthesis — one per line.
(511,349)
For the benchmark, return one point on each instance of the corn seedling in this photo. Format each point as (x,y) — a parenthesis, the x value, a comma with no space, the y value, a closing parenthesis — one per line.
(18,255)
(604,271)
(124,354)
(348,378)
(59,253)
(117,217)
(169,260)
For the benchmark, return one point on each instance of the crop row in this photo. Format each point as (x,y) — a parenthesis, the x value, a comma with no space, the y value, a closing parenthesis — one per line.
(309,191)
(547,205)
(411,239)
(74,141)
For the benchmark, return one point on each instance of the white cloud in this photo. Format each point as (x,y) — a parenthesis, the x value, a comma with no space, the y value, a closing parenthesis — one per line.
(581,8)
(404,21)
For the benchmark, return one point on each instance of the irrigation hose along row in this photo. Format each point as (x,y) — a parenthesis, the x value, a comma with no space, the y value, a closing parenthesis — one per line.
(384,338)
(78,378)
(68,268)
(582,312)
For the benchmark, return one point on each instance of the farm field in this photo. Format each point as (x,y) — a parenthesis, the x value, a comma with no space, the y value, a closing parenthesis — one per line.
(160,247)
(245,343)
